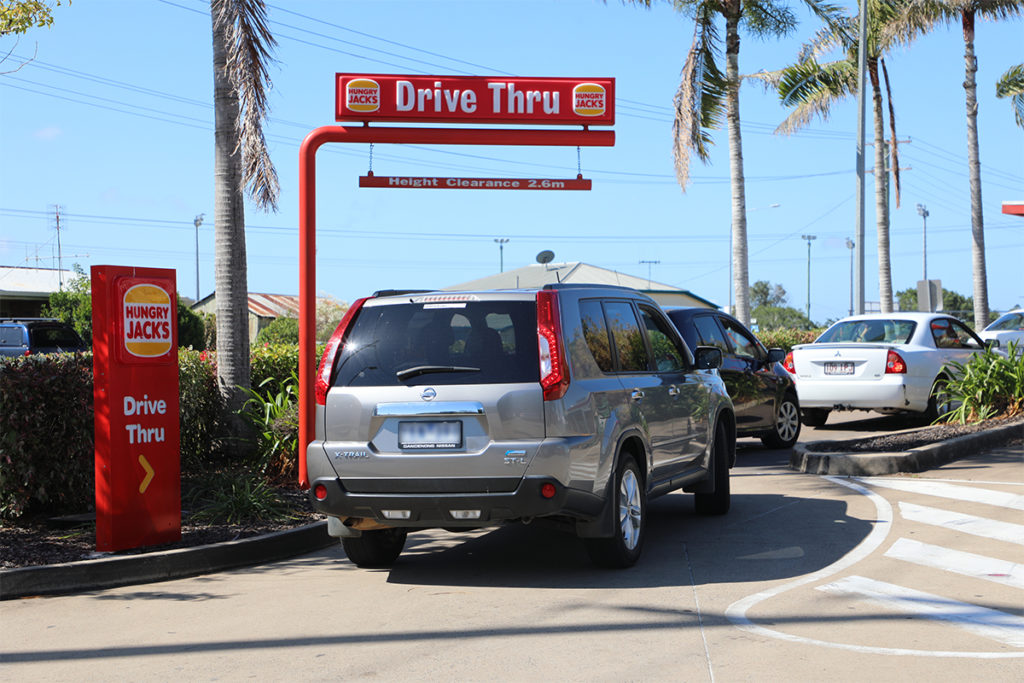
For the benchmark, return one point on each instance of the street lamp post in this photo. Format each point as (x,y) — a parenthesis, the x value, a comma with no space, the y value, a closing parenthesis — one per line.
(501,241)
(922,211)
(198,221)
(849,245)
(809,238)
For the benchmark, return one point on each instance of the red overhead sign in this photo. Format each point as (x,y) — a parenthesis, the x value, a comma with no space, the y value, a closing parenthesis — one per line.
(475,99)
(135,397)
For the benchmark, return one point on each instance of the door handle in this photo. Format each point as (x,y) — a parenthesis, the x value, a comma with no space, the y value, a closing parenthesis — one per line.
(637,395)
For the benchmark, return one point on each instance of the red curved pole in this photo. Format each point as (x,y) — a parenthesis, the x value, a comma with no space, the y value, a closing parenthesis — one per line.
(307,221)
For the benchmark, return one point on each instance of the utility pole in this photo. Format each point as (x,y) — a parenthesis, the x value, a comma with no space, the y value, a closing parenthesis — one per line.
(60,260)
(809,238)
(862,67)
(502,241)
(849,245)
(922,211)
(198,221)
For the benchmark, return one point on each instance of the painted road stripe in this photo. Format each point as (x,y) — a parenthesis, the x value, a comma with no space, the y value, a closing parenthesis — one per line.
(968,524)
(963,493)
(959,562)
(988,623)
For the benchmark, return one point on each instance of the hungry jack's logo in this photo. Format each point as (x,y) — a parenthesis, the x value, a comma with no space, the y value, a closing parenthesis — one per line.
(147,321)
(589,99)
(362,95)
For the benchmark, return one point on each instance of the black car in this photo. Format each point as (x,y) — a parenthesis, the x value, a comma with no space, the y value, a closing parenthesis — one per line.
(761,389)
(27,336)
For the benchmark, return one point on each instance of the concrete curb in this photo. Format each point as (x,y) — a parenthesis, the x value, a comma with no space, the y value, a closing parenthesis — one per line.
(111,572)
(805,459)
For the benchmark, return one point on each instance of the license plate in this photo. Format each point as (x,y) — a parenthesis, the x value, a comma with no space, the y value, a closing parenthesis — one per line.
(423,435)
(838,368)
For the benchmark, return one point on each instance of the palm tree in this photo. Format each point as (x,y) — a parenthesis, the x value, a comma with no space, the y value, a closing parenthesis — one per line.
(921,16)
(241,53)
(811,88)
(707,94)
(1011,84)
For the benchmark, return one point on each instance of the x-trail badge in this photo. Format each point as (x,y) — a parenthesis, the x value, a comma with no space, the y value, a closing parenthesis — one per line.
(428,394)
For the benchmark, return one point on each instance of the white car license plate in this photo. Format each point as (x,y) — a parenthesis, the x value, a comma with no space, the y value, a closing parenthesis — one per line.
(422,435)
(838,368)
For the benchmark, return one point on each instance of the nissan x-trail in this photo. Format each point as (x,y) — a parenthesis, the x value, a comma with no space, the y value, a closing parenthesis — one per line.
(574,404)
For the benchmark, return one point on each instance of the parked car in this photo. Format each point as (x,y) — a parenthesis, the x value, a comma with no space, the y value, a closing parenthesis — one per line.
(887,362)
(573,403)
(1006,328)
(27,336)
(762,392)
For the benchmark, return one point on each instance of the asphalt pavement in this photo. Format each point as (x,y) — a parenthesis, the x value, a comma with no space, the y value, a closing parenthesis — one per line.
(111,572)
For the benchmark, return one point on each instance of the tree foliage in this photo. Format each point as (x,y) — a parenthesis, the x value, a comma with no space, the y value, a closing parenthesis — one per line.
(1011,84)
(764,293)
(18,16)
(73,305)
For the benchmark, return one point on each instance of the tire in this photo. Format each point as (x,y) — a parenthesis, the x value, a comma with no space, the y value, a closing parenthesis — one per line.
(787,425)
(939,400)
(629,498)
(815,417)
(374,549)
(717,503)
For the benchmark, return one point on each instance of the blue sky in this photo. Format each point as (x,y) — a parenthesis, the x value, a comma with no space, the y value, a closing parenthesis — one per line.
(113,122)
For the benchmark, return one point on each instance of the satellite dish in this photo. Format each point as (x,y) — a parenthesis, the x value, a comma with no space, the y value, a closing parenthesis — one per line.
(545,256)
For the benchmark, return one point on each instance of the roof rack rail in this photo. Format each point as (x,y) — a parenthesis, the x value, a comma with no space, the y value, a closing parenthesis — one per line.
(399,292)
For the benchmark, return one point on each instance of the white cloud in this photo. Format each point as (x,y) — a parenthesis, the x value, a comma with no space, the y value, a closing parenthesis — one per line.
(48,133)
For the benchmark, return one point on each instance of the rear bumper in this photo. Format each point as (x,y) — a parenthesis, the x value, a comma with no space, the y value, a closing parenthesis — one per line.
(436,507)
(892,392)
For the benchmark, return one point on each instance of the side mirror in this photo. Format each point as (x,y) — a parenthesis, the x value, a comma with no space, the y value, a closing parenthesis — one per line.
(708,358)
(776,356)
(991,343)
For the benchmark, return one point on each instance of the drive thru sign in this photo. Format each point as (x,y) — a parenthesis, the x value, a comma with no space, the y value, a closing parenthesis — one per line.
(135,398)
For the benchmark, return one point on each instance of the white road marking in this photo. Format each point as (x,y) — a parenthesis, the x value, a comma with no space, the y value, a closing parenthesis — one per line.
(968,524)
(737,611)
(982,621)
(959,562)
(928,487)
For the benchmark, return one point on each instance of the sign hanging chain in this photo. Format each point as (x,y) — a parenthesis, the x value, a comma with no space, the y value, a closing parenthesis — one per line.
(370,172)
(579,167)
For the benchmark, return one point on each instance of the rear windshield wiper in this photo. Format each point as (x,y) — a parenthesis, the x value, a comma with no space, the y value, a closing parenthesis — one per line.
(430,369)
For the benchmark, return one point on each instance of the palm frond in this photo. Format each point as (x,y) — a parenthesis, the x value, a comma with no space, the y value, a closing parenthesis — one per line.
(249,45)
(1011,84)
(767,18)
(699,101)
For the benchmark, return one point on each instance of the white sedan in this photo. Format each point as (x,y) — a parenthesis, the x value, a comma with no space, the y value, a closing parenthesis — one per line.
(1006,328)
(887,362)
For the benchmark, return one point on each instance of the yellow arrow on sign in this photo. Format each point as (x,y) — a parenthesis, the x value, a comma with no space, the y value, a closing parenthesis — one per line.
(149,474)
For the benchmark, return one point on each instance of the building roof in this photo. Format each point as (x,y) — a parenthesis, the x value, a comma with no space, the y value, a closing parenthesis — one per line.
(260,305)
(538,275)
(16,281)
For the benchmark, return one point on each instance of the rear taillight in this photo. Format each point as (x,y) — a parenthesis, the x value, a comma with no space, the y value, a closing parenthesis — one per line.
(894,364)
(788,363)
(323,375)
(554,377)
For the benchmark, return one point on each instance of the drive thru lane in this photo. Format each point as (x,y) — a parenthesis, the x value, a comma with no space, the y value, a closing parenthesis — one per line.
(523,603)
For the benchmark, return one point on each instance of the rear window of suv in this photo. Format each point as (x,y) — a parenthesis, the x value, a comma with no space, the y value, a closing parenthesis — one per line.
(472,342)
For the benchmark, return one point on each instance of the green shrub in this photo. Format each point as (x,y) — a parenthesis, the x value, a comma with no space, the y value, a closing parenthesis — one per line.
(990,384)
(279,331)
(275,419)
(191,333)
(46,434)
(202,410)
(232,498)
(787,337)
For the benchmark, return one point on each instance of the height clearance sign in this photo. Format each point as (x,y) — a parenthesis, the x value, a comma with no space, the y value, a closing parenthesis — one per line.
(135,397)
(475,99)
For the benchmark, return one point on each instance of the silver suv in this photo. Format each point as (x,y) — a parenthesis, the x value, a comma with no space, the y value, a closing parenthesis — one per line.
(572,403)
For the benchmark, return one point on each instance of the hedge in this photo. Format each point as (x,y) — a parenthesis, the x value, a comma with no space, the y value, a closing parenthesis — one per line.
(46,423)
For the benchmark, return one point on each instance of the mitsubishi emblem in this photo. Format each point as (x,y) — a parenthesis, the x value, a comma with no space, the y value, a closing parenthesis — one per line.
(428,394)
(839,354)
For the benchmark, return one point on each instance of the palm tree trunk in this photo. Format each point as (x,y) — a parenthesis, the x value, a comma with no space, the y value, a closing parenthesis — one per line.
(229,235)
(881,193)
(741,278)
(974,169)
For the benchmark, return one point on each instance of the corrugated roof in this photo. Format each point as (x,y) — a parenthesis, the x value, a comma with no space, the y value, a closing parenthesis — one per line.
(274,305)
(20,281)
(577,272)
